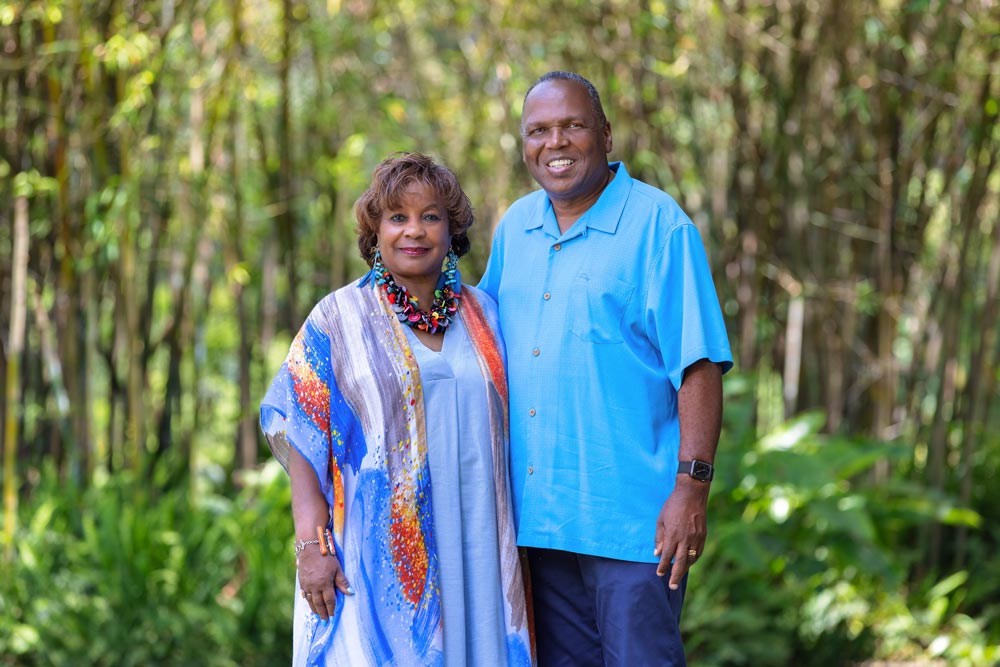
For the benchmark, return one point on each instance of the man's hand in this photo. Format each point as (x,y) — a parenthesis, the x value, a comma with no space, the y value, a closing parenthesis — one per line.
(681,529)
(318,574)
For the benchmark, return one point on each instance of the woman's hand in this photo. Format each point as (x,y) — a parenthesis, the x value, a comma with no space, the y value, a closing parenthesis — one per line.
(318,575)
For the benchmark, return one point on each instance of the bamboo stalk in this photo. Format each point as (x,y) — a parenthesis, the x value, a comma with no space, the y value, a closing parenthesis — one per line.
(246,438)
(18,317)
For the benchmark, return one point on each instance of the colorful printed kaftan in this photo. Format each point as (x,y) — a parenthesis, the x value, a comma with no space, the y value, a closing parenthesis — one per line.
(349,399)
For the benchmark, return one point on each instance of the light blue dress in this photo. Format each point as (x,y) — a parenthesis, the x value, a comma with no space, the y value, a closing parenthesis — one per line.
(463,499)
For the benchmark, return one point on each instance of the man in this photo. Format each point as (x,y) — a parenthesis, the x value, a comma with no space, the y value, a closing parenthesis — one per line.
(616,349)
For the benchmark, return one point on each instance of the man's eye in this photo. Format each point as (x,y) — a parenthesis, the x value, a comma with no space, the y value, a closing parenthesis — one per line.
(536,131)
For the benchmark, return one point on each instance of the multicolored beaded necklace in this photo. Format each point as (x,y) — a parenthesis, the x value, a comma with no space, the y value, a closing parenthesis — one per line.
(408,311)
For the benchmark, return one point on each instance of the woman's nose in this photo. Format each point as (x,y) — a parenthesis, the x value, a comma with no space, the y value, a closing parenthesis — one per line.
(413,228)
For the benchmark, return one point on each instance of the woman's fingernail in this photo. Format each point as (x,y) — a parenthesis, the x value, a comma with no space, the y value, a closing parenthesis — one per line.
(350,591)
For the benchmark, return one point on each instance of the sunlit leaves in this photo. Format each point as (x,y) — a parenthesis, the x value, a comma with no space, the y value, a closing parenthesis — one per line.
(8,13)
(137,95)
(123,51)
(32,183)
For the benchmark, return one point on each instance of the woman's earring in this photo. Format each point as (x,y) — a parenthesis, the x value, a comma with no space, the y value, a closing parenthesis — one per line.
(450,264)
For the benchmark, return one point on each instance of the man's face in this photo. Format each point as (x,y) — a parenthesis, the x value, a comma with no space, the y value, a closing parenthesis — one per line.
(565,149)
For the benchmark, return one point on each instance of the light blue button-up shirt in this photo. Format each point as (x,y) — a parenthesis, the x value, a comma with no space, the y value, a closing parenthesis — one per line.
(600,323)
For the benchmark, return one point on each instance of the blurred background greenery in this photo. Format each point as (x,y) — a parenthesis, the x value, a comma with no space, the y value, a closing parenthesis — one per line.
(176,183)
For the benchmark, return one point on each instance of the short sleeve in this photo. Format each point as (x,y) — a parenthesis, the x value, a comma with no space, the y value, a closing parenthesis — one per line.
(296,410)
(683,313)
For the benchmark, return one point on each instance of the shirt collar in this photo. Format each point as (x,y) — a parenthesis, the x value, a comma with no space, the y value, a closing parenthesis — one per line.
(606,212)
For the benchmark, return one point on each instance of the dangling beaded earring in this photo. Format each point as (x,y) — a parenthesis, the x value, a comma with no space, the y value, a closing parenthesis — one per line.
(450,264)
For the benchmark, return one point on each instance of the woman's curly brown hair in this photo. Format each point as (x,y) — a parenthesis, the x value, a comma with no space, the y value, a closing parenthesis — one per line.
(390,179)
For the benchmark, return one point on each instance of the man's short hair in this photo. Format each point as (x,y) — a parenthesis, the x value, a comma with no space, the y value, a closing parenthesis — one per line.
(559,75)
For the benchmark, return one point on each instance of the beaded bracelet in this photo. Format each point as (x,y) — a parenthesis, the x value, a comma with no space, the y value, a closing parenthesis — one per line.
(320,530)
(325,541)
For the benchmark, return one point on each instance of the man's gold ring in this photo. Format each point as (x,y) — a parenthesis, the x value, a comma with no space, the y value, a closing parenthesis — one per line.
(692,553)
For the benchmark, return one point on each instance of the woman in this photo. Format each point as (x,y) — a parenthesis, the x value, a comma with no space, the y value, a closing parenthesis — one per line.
(392,423)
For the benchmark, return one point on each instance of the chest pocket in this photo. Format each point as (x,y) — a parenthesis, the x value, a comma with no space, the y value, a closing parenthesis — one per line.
(598,308)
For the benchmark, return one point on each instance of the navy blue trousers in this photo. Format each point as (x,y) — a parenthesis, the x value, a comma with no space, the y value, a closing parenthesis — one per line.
(600,612)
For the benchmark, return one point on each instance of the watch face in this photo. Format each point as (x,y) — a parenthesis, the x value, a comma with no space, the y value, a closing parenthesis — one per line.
(701,470)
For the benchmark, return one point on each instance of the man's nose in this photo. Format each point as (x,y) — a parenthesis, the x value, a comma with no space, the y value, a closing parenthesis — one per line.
(556,136)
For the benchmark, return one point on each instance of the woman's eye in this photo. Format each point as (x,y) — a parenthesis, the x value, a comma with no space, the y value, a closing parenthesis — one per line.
(432,217)
(396,217)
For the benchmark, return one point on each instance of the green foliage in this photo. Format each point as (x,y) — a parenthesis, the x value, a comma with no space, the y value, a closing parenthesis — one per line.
(123,574)
(806,564)
(808,555)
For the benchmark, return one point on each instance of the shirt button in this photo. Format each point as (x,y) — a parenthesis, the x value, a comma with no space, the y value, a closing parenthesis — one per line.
(557,246)
(546,296)
(535,351)
(531,412)
(531,471)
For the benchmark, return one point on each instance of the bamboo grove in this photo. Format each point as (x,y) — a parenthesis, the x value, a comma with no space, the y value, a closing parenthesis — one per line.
(177,176)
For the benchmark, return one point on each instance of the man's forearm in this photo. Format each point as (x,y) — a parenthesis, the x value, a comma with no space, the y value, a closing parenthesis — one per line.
(699,408)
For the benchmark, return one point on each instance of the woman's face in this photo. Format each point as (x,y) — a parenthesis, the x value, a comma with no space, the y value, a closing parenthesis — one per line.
(414,238)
